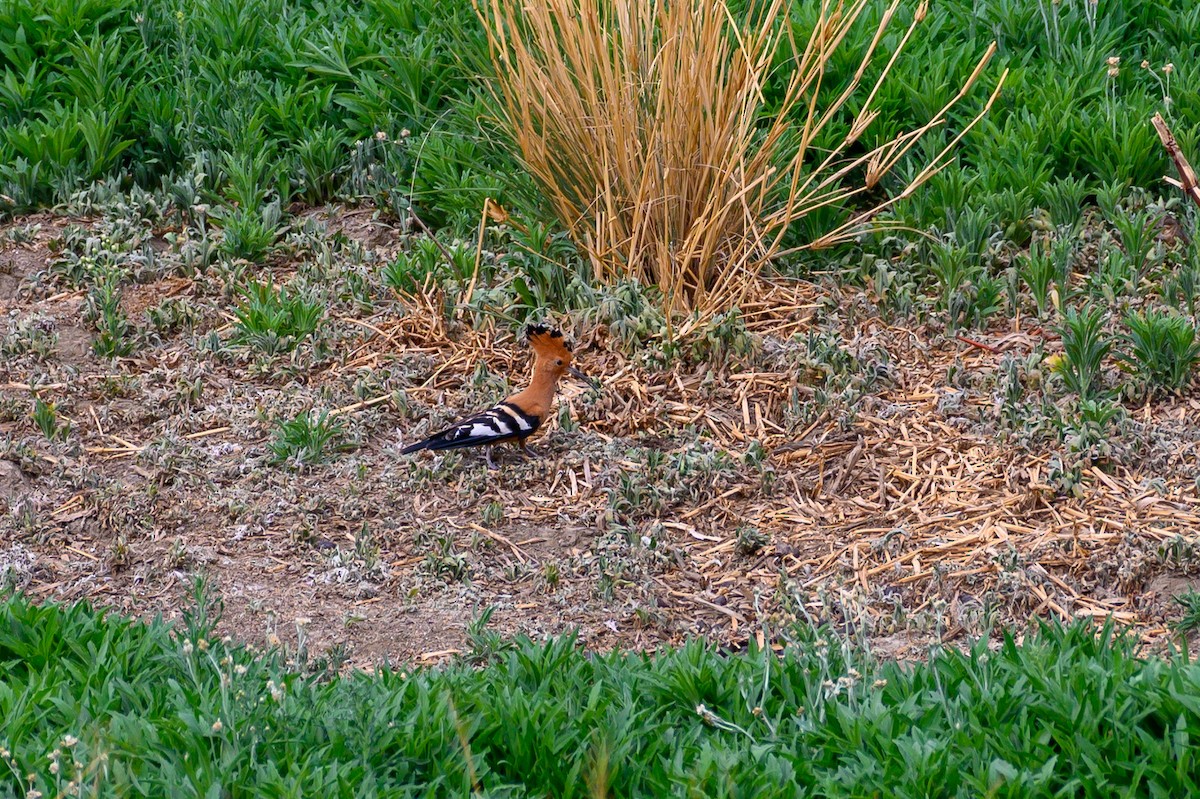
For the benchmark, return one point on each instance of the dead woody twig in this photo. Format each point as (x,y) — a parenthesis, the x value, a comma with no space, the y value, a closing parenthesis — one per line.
(1188,182)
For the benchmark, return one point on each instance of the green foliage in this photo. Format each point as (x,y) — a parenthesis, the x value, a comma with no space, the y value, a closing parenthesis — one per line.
(275,321)
(1138,232)
(1064,201)
(1085,346)
(1190,602)
(1037,272)
(376,100)
(409,272)
(954,267)
(45,416)
(749,540)
(306,440)
(966,291)
(250,231)
(1087,435)
(132,709)
(114,333)
(1183,288)
(1045,270)
(547,271)
(1163,349)
(1116,275)
(265,90)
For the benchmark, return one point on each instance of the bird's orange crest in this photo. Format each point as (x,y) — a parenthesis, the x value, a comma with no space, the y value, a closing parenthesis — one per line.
(548,343)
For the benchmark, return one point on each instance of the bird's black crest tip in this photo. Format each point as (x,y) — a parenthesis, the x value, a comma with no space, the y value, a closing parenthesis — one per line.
(542,330)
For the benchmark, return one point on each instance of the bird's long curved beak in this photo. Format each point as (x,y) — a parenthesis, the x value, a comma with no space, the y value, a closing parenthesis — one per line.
(590,381)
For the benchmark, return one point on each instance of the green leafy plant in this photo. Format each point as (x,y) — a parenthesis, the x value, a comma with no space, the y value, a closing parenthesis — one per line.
(29,336)
(1190,602)
(1138,235)
(114,337)
(1116,275)
(1013,208)
(1163,349)
(445,561)
(974,231)
(1085,346)
(954,267)
(275,321)
(1086,432)
(1109,196)
(251,231)
(486,645)
(750,539)
(1064,201)
(45,416)
(987,299)
(965,291)
(407,273)
(322,157)
(492,514)
(306,439)
(1183,288)
(1038,272)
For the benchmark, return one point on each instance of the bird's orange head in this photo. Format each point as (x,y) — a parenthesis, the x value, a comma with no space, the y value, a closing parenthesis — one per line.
(552,352)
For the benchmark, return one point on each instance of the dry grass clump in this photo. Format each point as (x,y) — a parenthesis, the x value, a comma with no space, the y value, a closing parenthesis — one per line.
(646,126)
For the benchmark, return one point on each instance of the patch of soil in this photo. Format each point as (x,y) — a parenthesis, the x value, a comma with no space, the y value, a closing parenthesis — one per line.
(138,298)
(870,487)
(22,257)
(13,484)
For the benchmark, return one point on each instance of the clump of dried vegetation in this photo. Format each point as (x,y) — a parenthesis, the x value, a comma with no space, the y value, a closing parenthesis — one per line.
(648,129)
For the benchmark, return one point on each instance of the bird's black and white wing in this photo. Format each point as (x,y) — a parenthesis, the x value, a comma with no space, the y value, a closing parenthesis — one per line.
(504,422)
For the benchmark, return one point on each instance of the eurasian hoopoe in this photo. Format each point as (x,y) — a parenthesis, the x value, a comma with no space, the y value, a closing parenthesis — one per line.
(518,417)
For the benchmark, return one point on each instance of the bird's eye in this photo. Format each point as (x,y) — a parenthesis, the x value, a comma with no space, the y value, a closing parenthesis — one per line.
(560,361)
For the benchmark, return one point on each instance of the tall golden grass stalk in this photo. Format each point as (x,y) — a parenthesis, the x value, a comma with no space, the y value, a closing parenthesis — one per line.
(645,125)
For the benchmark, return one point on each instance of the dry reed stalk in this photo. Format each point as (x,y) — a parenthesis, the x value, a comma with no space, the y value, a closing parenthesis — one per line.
(645,125)
(1187,176)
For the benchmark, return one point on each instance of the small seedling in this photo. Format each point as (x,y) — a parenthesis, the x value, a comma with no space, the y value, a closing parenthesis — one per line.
(408,273)
(31,336)
(306,439)
(1085,346)
(750,540)
(275,321)
(250,233)
(551,574)
(1137,233)
(1163,350)
(445,561)
(1190,602)
(954,267)
(1038,272)
(45,416)
(1108,197)
(104,309)
(485,644)
(493,514)
(1183,289)
(1064,200)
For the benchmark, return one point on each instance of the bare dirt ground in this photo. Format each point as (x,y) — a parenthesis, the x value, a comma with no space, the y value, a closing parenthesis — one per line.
(843,468)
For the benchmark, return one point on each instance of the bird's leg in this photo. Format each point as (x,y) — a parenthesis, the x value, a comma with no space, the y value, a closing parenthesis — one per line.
(525,450)
(488,455)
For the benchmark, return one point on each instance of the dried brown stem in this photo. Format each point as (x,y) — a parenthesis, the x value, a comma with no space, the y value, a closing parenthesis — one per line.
(1187,182)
